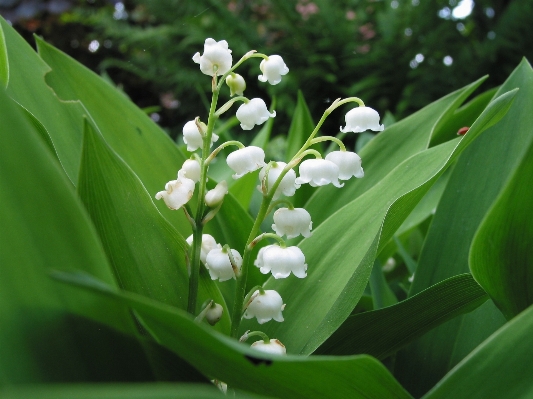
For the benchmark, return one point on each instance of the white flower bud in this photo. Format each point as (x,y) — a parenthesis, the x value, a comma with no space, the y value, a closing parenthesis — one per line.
(246,160)
(191,170)
(208,243)
(281,261)
(265,307)
(360,119)
(214,314)
(253,113)
(349,164)
(216,196)
(318,172)
(219,265)
(274,347)
(215,59)
(236,84)
(177,192)
(292,222)
(193,138)
(272,69)
(286,186)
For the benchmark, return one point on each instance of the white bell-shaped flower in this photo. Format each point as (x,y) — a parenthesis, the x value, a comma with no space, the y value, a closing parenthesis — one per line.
(273,68)
(254,112)
(292,222)
(246,160)
(219,264)
(177,192)
(215,59)
(286,186)
(349,164)
(208,243)
(216,196)
(191,170)
(236,84)
(281,261)
(193,138)
(360,119)
(265,307)
(274,347)
(318,172)
(214,314)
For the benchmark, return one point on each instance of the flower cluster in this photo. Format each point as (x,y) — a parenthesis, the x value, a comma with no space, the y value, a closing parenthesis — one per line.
(278,182)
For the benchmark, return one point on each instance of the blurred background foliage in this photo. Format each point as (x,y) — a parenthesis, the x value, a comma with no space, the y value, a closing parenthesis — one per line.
(396,55)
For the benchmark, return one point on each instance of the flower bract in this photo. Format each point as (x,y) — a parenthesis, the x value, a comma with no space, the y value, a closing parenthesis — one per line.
(349,164)
(219,264)
(265,307)
(193,138)
(274,347)
(273,68)
(318,172)
(246,160)
(216,58)
(360,119)
(281,261)
(177,192)
(286,186)
(215,196)
(252,113)
(292,222)
(208,243)
(236,84)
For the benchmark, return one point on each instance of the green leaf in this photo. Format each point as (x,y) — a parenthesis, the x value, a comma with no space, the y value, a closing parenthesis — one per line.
(476,181)
(382,295)
(340,253)
(382,332)
(4,64)
(147,254)
(44,226)
(501,256)
(499,368)
(386,151)
(241,367)
(116,391)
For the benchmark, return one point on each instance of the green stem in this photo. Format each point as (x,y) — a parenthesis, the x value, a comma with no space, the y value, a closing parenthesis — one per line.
(329,138)
(197,232)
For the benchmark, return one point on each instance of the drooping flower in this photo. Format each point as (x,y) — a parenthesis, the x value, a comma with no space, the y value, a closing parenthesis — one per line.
(177,192)
(318,172)
(273,68)
(274,347)
(215,59)
(214,313)
(191,169)
(360,119)
(219,264)
(236,84)
(246,160)
(292,222)
(208,243)
(252,113)
(216,196)
(281,261)
(349,164)
(193,138)
(265,306)
(286,186)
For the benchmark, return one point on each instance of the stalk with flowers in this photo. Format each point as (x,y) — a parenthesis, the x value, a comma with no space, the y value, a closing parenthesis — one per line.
(277,179)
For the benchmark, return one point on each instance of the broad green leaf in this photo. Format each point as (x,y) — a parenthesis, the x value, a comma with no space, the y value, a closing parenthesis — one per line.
(382,295)
(147,254)
(386,151)
(241,367)
(382,332)
(119,391)
(475,183)
(501,256)
(498,368)
(342,250)
(26,85)
(4,64)
(45,226)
